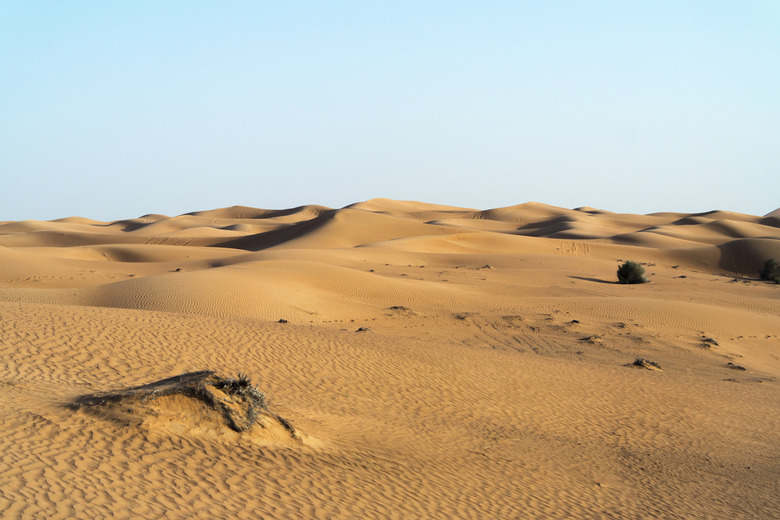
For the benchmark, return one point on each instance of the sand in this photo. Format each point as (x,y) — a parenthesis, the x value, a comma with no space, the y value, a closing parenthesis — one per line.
(434,361)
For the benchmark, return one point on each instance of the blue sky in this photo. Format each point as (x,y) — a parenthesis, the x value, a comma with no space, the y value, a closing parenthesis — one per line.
(111,110)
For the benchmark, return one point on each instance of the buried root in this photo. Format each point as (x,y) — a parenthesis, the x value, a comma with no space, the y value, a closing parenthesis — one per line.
(236,400)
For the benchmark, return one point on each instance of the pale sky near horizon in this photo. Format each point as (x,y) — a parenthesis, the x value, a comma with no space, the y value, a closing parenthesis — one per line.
(112,110)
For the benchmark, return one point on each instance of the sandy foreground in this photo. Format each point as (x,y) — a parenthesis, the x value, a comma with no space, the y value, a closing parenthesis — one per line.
(435,362)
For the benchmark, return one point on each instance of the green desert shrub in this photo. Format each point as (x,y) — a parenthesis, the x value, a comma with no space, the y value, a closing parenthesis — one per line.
(631,272)
(771,271)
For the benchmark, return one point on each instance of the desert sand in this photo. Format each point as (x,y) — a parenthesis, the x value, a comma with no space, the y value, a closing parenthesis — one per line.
(430,361)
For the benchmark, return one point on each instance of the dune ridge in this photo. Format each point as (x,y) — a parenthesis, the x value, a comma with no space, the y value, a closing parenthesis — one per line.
(434,362)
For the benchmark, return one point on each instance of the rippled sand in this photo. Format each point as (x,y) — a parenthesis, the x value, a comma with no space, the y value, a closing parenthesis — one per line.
(437,362)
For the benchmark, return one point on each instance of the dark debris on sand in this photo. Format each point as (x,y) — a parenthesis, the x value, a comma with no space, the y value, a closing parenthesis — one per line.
(236,399)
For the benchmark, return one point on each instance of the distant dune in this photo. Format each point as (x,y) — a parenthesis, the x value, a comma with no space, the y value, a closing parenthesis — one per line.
(434,362)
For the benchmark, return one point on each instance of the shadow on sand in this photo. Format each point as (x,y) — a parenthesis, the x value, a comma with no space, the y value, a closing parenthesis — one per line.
(593,280)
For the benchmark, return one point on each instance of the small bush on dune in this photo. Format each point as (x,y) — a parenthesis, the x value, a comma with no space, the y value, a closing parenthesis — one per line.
(631,272)
(771,271)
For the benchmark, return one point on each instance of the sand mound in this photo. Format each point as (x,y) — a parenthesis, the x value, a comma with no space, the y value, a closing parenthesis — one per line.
(748,255)
(523,214)
(407,209)
(726,215)
(245,212)
(773,221)
(337,229)
(195,403)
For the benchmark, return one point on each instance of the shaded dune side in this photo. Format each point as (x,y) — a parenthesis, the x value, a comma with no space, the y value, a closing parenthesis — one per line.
(590,225)
(475,224)
(129,225)
(659,241)
(569,227)
(337,229)
(193,224)
(714,231)
(747,255)
(770,220)
(269,239)
(200,228)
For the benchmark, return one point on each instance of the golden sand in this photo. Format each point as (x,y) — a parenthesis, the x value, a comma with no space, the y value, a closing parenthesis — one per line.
(436,362)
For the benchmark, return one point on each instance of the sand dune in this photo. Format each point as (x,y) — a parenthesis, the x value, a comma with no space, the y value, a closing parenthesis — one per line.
(429,361)
(337,229)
